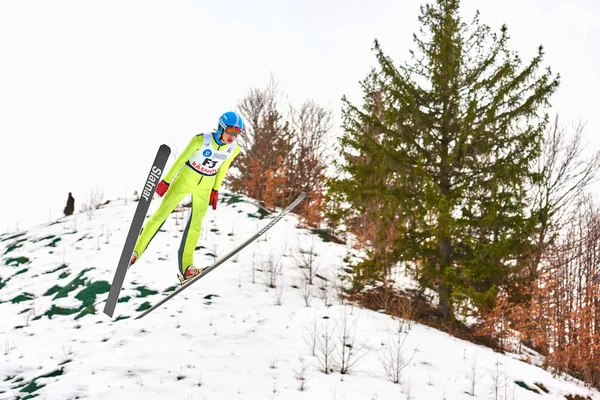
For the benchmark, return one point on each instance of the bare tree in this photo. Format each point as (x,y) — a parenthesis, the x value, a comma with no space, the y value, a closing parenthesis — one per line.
(349,353)
(307,291)
(274,360)
(407,388)
(252,272)
(325,289)
(283,155)
(502,387)
(568,299)
(272,270)
(385,297)
(93,202)
(474,374)
(300,374)
(325,345)
(565,175)
(406,310)
(260,167)
(311,336)
(307,260)
(311,125)
(279,289)
(395,360)
(8,347)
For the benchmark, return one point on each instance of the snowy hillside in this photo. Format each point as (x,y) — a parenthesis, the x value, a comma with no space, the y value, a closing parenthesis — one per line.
(252,329)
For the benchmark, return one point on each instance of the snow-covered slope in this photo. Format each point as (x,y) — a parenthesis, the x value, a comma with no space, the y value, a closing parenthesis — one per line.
(231,335)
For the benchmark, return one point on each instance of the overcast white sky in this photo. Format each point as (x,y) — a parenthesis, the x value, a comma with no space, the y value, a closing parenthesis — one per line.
(89,90)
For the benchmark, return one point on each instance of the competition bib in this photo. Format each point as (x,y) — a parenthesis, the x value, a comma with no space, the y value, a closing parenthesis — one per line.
(206,160)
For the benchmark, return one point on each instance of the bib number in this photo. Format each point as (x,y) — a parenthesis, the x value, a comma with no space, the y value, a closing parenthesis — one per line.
(208,163)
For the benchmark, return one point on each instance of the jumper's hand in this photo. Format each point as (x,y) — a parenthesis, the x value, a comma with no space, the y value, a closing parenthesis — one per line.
(162,188)
(214,195)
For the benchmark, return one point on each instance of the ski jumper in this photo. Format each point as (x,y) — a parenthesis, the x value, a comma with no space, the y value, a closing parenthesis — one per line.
(197,171)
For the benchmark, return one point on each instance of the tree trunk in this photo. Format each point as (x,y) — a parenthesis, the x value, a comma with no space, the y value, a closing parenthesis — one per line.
(445,244)
(444,308)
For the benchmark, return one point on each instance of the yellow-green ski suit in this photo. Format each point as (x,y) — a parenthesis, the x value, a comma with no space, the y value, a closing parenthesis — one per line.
(185,177)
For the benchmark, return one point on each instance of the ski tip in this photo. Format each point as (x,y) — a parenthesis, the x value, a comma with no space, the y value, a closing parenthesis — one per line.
(164,147)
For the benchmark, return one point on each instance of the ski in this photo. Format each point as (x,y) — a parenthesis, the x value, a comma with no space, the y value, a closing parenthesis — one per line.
(227,256)
(141,210)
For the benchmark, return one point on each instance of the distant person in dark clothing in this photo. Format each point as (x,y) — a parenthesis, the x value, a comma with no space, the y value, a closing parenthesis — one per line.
(70,205)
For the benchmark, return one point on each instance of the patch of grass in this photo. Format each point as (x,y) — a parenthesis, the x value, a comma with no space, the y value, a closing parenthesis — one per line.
(124,299)
(32,386)
(53,243)
(170,289)
(52,290)
(22,297)
(208,298)
(542,387)
(88,297)
(54,310)
(13,236)
(16,261)
(71,286)
(144,306)
(44,238)
(145,292)
(327,235)
(577,397)
(14,246)
(261,211)
(63,275)
(21,272)
(63,266)
(525,386)
(233,198)
(119,318)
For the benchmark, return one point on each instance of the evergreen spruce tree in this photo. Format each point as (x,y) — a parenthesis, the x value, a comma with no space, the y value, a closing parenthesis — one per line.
(437,161)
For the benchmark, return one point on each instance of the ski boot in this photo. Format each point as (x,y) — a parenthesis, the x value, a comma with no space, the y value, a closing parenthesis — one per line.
(133,259)
(190,272)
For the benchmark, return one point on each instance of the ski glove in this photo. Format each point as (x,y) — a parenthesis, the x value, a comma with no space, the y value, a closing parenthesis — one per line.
(162,188)
(214,195)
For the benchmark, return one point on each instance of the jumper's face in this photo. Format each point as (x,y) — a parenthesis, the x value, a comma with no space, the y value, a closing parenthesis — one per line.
(230,134)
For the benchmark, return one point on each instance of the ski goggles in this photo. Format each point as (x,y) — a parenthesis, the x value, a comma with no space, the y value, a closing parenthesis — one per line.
(233,130)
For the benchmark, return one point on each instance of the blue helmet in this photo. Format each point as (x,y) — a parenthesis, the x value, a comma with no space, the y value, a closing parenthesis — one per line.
(230,118)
